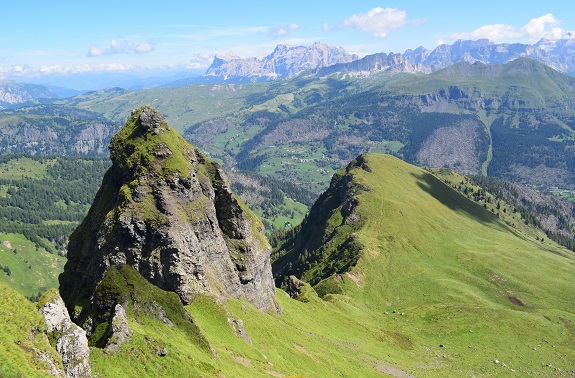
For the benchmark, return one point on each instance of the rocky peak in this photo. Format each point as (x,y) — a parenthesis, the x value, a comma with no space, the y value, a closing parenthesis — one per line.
(169,213)
(284,61)
(71,341)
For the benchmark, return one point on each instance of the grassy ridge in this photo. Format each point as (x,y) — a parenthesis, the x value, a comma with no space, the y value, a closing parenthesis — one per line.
(441,276)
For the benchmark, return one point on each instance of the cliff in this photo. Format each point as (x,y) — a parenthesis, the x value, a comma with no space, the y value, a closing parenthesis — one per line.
(169,213)
(284,61)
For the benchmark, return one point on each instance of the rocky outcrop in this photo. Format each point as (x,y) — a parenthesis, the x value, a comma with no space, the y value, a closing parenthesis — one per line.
(71,341)
(120,330)
(169,213)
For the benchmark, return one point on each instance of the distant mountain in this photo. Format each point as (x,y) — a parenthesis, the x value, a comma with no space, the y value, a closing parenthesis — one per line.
(137,79)
(284,61)
(375,63)
(514,121)
(559,54)
(12,93)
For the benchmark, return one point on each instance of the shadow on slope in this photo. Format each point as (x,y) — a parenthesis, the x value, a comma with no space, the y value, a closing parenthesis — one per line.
(453,200)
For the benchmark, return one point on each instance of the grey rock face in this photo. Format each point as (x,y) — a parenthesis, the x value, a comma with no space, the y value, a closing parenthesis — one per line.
(169,213)
(457,147)
(121,331)
(55,129)
(290,60)
(284,61)
(559,54)
(369,64)
(71,340)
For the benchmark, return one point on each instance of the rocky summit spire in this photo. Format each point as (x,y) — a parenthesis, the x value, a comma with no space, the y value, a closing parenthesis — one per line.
(168,212)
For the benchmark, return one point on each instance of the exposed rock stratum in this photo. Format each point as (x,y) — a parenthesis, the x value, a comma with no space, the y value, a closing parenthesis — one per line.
(168,212)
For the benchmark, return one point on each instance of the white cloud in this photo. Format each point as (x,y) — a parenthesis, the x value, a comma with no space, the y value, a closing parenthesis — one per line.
(537,27)
(545,26)
(200,60)
(493,32)
(379,21)
(115,47)
(325,26)
(283,30)
(30,72)
(144,47)
(121,47)
(95,51)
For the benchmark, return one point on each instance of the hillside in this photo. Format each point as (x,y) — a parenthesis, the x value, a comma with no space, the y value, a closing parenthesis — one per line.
(457,287)
(537,213)
(42,200)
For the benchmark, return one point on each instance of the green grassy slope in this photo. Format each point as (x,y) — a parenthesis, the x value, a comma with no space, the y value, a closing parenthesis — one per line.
(243,341)
(24,348)
(27,268)
(453,287)
(183,106)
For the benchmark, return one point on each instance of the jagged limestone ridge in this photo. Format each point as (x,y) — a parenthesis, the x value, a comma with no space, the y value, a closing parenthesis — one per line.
(169,213)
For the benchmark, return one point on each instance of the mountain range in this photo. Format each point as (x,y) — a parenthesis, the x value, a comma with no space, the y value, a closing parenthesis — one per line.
(287,60)
(290,60)
(409,256)
(512,120)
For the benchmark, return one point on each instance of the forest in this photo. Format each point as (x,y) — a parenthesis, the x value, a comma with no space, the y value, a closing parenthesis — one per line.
(44,198)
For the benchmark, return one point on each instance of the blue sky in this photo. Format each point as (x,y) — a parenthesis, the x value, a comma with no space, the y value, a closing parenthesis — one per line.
(41,38)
